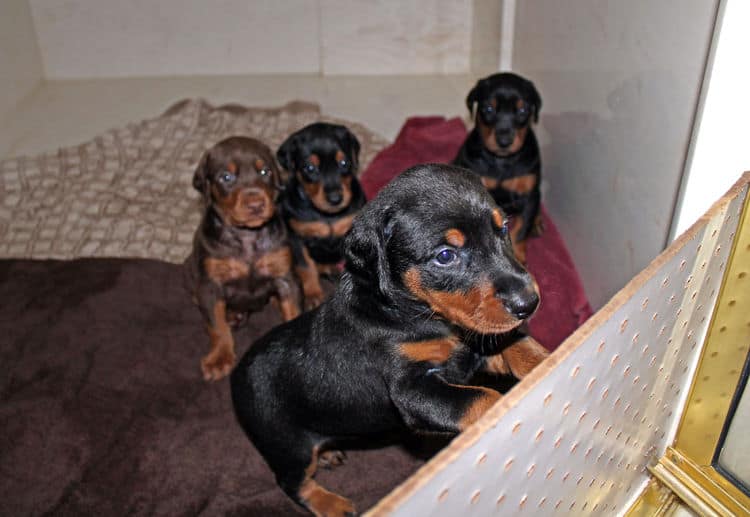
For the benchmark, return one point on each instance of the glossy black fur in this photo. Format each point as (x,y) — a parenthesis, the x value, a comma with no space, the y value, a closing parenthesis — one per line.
(324,140)
(505,90)
(337,372)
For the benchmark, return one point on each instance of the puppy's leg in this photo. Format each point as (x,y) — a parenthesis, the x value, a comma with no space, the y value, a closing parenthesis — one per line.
(523,356)
(288,297)
(524,224)
(329,270)
(294,474)
(307,272)
(428,403)
(220,359)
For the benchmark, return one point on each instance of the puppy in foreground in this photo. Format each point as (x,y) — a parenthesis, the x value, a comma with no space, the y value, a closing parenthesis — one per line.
(502,149)
(241,257)
(430,295)
(321,199)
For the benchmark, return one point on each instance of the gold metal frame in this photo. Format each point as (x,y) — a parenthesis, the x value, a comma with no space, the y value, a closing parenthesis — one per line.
(686,470)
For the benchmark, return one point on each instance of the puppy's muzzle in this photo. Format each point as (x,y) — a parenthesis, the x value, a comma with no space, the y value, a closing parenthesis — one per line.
(254,206)
(255,202)
(521,304)
(334,197)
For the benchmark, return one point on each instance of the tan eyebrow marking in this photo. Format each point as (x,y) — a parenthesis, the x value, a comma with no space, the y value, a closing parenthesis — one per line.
(455,237)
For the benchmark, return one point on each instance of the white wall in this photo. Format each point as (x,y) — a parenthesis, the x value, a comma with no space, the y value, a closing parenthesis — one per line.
(100,38)
(620,83)
(20,63)
(112,38)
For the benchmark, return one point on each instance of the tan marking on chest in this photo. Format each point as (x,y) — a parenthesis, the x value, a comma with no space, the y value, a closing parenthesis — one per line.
(310,228)
(489,183)
(275,264)
(434,350)
(520,184)
(342,225)
(223,270)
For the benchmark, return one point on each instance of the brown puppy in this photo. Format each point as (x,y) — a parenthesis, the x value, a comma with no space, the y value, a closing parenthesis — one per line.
(241,257)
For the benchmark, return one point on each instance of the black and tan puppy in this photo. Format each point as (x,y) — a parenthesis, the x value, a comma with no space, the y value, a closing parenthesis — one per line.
(430,295)
(241,256)
(321,198)
(503,151)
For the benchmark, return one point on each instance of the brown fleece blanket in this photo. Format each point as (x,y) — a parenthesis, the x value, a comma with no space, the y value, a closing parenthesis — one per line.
(103,410)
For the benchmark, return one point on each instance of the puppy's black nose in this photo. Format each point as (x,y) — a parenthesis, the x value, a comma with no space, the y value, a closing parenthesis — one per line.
(504,140)
(334,197)
(523,305)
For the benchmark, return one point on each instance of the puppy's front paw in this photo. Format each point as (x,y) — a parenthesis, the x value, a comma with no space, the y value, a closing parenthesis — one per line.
(237,319)
(217,364)
(312,300)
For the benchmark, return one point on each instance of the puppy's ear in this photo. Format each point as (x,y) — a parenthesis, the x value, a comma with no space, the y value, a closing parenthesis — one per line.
(351,144)
(200,176)
(285,153)
(365,252)
(278,177)
(536,100)
(473,98)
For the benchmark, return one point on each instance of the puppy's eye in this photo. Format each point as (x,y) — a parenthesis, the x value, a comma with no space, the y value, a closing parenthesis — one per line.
(488,109)
(446,256)
(523,111)
(265,171)
(310,168)
(344,164)
(227,177)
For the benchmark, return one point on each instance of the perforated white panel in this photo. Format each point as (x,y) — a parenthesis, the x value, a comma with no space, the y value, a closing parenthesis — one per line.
(577,438)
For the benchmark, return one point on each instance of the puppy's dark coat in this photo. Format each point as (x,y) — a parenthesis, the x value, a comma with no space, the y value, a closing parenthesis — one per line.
(502,149)
(428,262)
(321,198)
(241,257)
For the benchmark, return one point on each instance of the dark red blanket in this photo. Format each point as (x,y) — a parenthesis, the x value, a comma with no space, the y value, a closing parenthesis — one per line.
(564,304)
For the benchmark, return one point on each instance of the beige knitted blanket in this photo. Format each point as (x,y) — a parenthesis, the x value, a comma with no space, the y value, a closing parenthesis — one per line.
(128,192)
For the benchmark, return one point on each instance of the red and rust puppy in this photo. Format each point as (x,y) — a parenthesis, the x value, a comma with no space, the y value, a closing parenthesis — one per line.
(241,256)
(430,295)
(321,198)
(503,150)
